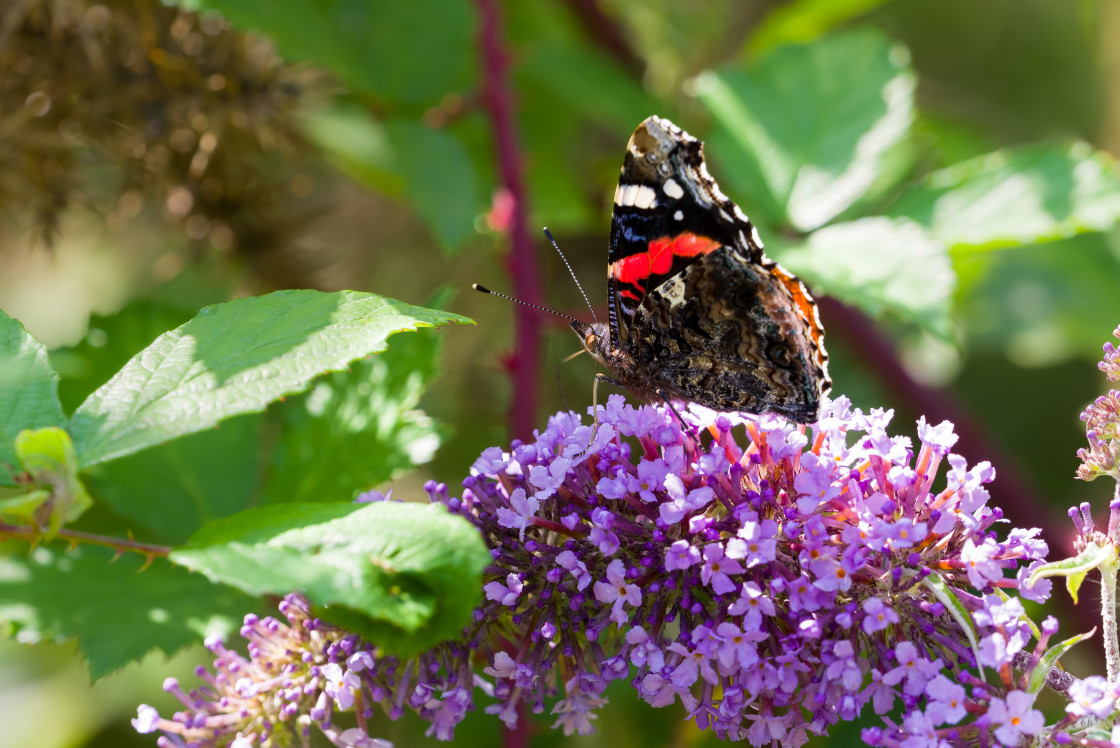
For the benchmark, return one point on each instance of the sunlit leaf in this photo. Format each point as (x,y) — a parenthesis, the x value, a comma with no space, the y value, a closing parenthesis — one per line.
(879,265)
(1017,196)
(357,429)
(406,575)
(804,133)
(235,358)
(28,391)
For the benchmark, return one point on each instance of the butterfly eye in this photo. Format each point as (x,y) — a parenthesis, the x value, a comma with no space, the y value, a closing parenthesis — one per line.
(591,340)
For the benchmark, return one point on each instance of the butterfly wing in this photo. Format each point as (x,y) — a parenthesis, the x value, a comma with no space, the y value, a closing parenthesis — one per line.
(694,301)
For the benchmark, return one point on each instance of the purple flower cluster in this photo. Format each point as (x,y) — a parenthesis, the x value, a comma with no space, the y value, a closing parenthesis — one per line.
(297,674)
(1102,424)
(773,578)
(774,585)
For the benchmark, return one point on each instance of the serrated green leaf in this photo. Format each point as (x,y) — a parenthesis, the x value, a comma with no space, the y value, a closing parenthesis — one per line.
(117,612)
(47,455)
(439,179)
(803,134)
(1076,568)
(175,488)
(108,345)
(1050,659)
(405,575)
(408,52)
(1017,196)
(28,391)
(803,21)
(879,265)
(236,358)
(958,610)
(357,429)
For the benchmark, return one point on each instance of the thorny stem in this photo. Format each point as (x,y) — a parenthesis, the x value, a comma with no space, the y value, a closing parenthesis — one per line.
(75,537)
(497,98)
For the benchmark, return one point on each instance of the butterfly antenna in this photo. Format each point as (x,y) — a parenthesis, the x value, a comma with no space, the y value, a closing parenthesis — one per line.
(548,235)
(483,289)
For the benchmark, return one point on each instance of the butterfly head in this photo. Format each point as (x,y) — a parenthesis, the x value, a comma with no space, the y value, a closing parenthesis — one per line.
(596,339)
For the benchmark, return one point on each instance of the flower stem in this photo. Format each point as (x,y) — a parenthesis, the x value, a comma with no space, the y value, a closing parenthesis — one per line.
(1108,612)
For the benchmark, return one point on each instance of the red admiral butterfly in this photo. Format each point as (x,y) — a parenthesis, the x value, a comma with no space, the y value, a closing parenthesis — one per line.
(697,311)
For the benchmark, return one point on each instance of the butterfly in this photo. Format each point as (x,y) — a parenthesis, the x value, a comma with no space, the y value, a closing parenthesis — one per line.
(696,311)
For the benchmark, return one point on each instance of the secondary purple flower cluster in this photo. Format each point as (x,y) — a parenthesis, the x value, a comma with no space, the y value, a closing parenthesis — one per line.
(297,674)
(1102,424)
(774,579)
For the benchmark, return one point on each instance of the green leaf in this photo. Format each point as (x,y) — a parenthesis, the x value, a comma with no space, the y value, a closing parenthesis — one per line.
(235,358)
(403,157)
(439,178)
(47,455)
(879,265)
(357,144)
(1049,660)
(1043,303)
(1076,568)
(175,488)
(109,343)
(408,52)
(357,429)
(803,21)
(407,576)
(805,133)
(117,612)
(28,391)
(1017,196)
(958,610)
(583,80)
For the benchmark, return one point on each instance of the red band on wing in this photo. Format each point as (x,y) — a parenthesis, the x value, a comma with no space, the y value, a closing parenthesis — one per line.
(658,258)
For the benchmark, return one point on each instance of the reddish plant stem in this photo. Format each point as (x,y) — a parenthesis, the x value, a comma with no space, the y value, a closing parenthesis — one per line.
(605,33)
(497,99)
(76,537)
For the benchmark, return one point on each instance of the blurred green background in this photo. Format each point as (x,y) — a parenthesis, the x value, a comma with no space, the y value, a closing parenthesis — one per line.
(155,159)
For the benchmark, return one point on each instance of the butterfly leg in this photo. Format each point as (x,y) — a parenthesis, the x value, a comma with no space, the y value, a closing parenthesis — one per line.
(686,426)
(599,377)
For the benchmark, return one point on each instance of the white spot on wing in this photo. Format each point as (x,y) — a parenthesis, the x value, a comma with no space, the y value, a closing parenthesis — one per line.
(672,189)
(636,195)
(678,216)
